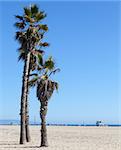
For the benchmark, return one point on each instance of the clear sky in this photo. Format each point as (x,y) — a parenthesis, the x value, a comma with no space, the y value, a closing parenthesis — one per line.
(84,38)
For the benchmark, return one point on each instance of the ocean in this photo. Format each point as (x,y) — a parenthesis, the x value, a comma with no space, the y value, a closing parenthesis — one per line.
(17,122)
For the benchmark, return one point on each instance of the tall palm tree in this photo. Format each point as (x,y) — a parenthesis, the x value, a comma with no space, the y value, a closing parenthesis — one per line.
(44,90)
(30,36)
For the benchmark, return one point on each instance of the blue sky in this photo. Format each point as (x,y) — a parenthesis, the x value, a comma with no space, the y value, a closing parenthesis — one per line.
(84,38)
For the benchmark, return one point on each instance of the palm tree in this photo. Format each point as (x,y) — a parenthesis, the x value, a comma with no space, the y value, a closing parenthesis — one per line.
(45,88)
(30,36)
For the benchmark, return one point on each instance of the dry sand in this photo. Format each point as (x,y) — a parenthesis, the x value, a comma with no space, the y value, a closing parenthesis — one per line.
(64,138)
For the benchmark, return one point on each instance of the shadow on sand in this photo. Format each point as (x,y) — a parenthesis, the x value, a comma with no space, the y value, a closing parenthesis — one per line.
(10,143)
(32,147)
(13,144)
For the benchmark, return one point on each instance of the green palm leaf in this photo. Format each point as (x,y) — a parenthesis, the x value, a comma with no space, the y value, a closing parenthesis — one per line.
(20,25)
(39,16)
(45,44)
(29,19)
(40,59)
(19,17)
(49,64)
(43,27)
(27,11)
(34,9)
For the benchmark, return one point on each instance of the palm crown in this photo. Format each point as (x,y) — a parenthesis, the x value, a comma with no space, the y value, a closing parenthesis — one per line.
(41,79)
(31,33)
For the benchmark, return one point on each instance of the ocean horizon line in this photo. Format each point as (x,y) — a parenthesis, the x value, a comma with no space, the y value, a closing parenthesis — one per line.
(17,122)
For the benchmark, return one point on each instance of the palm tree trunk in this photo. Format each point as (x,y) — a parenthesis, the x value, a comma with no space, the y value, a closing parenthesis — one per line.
(28,139)
(23,100)
(43,112)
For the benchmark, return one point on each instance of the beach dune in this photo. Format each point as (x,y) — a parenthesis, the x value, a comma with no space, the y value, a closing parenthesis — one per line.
(63,138)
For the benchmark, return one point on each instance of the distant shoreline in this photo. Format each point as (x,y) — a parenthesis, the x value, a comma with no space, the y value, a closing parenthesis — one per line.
(17,122)
(86,125)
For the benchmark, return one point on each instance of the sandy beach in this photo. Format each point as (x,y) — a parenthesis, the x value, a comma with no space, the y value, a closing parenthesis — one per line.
(63,138)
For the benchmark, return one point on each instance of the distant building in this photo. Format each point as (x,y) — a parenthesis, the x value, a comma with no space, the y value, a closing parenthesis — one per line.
(100,123)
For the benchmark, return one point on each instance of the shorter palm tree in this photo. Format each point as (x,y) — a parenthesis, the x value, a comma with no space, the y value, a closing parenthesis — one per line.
(45,88)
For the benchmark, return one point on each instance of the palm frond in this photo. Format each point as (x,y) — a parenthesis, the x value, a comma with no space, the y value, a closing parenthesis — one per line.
(20,25)
(33,74)
(27,11)
(22,56)
(43,27)
(33,64)
(39,68)
(54,71)
(18,34)
(34,9)
(49,64)
(33,82)
(40,59)
(19,17)
(56,85)
(45,89)
(38,51)
(29,19)
(45,44)
(39,16)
